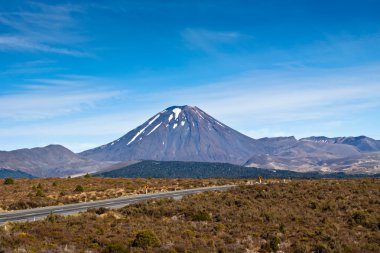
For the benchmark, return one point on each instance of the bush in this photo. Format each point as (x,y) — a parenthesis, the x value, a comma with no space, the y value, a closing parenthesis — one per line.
(115,248)
(79,188)
(359,217)
(87,175)
(9,181)
(275,243)
(201,216)
(146,238)
(98,211)
(40,193)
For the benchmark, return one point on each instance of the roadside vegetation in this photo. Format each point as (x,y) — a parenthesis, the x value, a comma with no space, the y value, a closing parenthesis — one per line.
(297,216)
(17,194)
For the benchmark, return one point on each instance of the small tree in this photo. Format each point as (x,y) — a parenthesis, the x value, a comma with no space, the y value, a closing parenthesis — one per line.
(79,188)
(145,239)
(9,181)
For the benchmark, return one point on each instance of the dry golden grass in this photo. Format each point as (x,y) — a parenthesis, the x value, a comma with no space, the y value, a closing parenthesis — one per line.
(298,216)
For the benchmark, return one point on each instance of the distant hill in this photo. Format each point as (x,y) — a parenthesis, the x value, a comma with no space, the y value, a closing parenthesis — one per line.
(4,173)
(362,143)
(49,161)
(175,169)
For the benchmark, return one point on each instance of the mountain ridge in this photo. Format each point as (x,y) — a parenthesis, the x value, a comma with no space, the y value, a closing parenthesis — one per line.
(52,160)
(362,142)
(188,134)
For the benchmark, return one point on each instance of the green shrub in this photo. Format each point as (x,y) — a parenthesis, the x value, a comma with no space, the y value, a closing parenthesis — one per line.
(87,175)
(146,238)
(9,181)
(275,243)
(79,188)
(115,248)
(201,216)
(40,193)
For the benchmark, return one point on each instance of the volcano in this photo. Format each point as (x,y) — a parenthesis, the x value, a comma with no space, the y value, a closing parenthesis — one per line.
(179,133)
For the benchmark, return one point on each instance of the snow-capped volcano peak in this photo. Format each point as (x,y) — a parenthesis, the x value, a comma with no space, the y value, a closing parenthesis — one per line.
(178,133)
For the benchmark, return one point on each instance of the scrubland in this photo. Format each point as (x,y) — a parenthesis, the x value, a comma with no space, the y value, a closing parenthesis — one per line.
(31,193)
(296,216)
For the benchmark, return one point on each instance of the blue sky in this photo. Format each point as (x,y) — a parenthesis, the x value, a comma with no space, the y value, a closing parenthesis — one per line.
(83,73)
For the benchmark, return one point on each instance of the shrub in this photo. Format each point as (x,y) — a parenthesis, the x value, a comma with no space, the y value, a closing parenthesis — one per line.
(359,217)
(275,243)
(87,175)
(9,181)
(201,216)
(146,238)
(40,193)
(98,211)
(53,218)
(115,248)
(79,188)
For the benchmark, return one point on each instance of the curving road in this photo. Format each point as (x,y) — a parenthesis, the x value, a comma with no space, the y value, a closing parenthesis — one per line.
(40,213)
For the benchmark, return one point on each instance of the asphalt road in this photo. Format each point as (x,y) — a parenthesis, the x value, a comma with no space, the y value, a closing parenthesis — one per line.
(40,213)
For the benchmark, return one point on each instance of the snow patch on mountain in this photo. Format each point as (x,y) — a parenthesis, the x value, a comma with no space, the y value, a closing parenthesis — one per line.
(199,114)
(217,122)
(177,111)
(153,120)
(142,130)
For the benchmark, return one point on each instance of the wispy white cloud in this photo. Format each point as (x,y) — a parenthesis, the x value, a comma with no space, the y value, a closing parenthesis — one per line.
(260,98)
(49,98)
(43,28)
(210,41)
(15,43)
